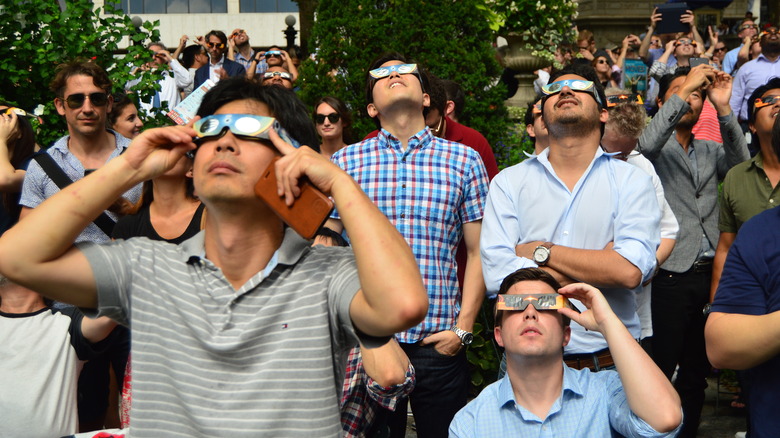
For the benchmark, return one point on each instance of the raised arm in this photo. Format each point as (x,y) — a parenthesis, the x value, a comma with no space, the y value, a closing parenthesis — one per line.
(392,296)
(42,257)
(644,48)
(649,393)
(10,179)
(182,43)
(290,66)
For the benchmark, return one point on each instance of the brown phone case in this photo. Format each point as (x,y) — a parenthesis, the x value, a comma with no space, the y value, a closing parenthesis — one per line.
(309,211)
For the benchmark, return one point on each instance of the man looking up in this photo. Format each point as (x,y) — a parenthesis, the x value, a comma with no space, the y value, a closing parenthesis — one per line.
(689,169)
(541,396)
(576,212)
(241,51)
(175,78)
(247,303)
(756,72)
(747,30)
(433,191)
(219,66)
(277,75)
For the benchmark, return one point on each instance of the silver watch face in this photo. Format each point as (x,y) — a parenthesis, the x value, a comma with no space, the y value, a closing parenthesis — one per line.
(541,254)
(467,338)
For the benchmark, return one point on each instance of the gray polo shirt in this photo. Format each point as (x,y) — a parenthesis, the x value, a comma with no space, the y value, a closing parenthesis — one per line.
(208,360)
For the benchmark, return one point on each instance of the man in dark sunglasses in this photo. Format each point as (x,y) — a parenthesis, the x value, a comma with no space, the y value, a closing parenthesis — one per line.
(220,66)
(82,97)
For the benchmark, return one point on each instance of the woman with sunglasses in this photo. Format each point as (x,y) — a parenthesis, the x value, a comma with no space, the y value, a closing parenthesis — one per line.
(333,122)
(17,145)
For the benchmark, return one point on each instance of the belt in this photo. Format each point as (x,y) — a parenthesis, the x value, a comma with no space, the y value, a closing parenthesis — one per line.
(594,361)
(704,265)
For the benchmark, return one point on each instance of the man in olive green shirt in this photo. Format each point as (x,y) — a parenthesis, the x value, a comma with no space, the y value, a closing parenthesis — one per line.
(752,186)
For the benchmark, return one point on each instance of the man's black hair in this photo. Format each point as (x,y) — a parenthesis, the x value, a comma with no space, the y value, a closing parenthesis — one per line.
(529,116)
(284,104)
(381,59)
(436,92)
(585,71)
(219,34)
(666,82)
(771,85)
(189,53)
(456,95)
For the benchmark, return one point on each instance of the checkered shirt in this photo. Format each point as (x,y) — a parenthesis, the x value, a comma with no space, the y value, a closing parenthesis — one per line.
(428,192)
(361,396)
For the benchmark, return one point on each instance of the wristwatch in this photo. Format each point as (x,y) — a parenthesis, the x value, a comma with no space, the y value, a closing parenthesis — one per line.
(707,309)
(465,337)
(542,253)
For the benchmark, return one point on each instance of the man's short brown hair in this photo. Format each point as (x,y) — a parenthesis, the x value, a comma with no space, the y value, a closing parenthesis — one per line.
(79,67)
(527,274)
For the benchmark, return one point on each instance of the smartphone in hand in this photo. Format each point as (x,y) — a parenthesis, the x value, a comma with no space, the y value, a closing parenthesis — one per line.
(309,211)
(695,62)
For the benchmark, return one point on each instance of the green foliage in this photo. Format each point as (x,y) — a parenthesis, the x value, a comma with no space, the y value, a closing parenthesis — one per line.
(36,37)
(544,24)
(452,39)
(483,354)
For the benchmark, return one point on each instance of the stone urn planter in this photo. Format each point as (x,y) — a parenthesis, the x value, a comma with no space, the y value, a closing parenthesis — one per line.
(520,59)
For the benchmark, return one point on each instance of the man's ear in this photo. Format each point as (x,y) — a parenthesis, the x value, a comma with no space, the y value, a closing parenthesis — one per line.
(566,335)
(752,128)
(426,99)
(449,109)
(604,116)
(371,110)
(659,102)
(497,335)
(59,104)
(110,103)
(530,130)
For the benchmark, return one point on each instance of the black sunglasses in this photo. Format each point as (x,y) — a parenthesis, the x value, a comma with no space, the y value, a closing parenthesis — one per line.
(76,101)
(333,117)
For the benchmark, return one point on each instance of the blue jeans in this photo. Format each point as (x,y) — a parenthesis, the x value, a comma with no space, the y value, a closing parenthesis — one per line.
(441,391)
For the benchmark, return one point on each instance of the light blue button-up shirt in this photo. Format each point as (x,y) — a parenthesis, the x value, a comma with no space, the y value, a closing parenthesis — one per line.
(591,405)
(612,202)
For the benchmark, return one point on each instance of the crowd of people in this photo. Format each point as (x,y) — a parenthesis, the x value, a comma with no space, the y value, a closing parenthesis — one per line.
(617,273)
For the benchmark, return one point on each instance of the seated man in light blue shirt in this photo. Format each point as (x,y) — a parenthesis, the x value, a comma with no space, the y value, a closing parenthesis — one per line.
(540,395)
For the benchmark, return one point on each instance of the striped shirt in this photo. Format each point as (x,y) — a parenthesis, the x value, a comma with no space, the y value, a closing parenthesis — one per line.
(267,359)
(428,191)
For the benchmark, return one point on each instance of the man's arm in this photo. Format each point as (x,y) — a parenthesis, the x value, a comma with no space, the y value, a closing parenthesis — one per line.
(724,244)
(392,296)
(739,342)
(649,393)
(447,342)
(180,74)
(41,257)
(386,365)
(290,66)
(644,48)
(735,148)
(10,179)
(95,330)
(603,267)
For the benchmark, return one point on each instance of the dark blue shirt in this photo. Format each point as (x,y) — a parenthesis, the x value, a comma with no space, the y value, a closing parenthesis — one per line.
(750,285)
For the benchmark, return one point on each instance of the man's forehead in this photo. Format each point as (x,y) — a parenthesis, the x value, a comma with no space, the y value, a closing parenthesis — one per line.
(530,287)
(772,92)
(569,76)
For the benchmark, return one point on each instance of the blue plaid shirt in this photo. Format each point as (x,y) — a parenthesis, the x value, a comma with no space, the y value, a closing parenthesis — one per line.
(428,191)
(591,405)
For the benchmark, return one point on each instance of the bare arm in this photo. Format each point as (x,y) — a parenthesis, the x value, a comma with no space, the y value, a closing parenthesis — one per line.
(603,267)
(690,18)
(10,178)
(664,250)
(392,296)
(743,55)
(739,342)
(649,393)
(43,258)
(644,48)
(182,44)
(387,364)
(95,330)
(473,283)
(290,66)
(724,243)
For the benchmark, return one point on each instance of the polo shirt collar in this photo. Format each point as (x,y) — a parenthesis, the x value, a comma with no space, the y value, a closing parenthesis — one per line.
(292,249)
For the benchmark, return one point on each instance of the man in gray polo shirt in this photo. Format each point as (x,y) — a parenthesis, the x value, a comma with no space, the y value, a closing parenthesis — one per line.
(241,330)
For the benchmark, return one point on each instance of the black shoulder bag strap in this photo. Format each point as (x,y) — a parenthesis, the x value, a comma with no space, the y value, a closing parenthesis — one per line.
(58,176)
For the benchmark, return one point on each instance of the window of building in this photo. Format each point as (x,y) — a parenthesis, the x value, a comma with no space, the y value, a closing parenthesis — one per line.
(268,6)
(173,6)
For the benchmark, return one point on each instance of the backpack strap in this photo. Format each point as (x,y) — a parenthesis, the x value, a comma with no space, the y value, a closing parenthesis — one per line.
(58,176)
